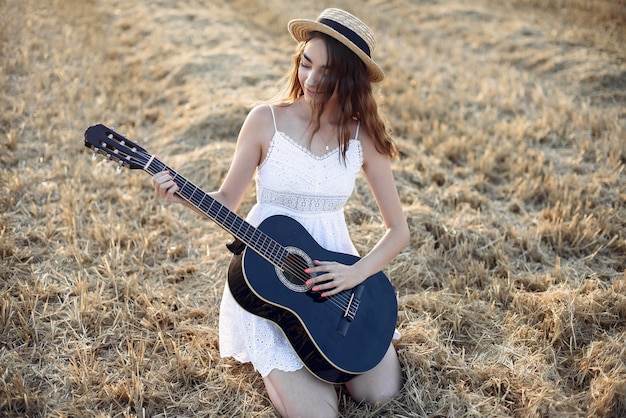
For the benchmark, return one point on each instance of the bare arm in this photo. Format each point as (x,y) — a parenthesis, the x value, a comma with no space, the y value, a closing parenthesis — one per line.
(251,148)
(377,169)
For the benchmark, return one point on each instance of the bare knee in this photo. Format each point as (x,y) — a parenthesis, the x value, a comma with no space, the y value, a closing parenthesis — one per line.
(321,408)
(382,394)
(300,394)
(381,384)
(376,395)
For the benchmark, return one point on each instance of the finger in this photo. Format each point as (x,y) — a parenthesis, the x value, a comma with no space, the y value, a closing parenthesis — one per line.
(162,189)
(168,184)
(158,179)
(324,282)
(163,177)
(172,190)
(324,276)
(320,267)
(164,173)
(166,190)
(330,292)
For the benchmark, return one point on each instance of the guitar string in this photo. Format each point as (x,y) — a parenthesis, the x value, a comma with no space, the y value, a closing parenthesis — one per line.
(296,271)
(339,300)
(148,159)
(343,298)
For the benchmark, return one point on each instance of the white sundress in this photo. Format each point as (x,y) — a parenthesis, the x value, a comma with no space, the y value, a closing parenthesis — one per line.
(313,190)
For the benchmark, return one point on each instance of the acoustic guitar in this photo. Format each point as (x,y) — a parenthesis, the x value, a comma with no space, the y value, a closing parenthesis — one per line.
(336,337)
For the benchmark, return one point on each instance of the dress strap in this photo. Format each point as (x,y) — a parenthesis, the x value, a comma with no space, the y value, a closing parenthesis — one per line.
(358,125)
(273,118)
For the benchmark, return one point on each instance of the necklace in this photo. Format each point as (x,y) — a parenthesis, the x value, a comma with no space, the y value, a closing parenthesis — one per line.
(322,138)
(327,143)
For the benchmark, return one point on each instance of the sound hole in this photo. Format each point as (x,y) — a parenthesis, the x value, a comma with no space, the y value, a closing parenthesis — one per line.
(292,273)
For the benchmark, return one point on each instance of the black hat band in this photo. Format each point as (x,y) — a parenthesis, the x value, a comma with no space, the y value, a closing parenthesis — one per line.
(348,33)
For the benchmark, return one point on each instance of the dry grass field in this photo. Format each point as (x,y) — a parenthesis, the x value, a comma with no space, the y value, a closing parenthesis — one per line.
(511,121)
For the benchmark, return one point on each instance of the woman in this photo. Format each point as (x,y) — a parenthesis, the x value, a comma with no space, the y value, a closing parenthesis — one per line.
(305,150)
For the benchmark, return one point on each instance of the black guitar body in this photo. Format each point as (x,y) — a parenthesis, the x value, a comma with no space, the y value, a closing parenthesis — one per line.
(337,338)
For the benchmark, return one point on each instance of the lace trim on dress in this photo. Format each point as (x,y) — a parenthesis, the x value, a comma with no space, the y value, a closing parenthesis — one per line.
(300,202)
(319,157)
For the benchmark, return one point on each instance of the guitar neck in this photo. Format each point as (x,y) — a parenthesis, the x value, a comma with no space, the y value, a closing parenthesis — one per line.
(257,240)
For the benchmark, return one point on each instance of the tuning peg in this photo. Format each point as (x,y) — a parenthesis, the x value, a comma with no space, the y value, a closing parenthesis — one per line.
(94,157)
(119,167)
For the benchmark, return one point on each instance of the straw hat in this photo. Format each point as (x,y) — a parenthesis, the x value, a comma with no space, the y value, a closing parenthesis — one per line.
(348,30)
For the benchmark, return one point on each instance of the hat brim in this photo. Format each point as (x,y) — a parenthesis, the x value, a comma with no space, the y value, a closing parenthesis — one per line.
(300,29)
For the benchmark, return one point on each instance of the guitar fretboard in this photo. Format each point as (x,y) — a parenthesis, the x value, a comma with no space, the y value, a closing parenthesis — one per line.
(257,240)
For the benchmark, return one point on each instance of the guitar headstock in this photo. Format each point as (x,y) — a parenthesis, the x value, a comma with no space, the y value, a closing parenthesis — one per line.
(105,141)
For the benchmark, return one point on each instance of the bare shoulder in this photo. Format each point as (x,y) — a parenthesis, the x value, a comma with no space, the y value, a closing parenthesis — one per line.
(370,153)
(260,119)
(286,115)
(258,128)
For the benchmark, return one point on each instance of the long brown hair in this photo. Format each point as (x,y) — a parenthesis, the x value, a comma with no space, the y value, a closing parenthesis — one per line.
(349,78)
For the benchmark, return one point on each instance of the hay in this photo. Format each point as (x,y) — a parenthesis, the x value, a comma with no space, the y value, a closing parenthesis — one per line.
(510,123)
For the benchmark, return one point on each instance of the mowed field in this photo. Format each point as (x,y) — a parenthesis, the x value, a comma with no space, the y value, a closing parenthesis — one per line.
(510,117)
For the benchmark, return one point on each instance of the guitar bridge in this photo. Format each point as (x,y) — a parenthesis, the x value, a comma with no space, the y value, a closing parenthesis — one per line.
(351,308)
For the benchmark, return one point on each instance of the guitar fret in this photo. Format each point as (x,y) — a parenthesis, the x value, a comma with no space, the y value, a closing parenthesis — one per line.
(279,252)
(209,210)
(196,199)
(223,218)
(237,225)
(205,206)
(188,190)
(249,234)
(273,250)
(240,225)
(185,188)
(259,240)
(199,205)
(260,244)
(231,220)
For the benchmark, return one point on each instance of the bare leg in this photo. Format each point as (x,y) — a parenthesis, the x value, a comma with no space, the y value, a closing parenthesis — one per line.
(300,394)
(381,383)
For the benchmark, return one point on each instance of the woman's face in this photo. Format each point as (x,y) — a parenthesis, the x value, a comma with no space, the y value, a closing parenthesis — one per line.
(313,69)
